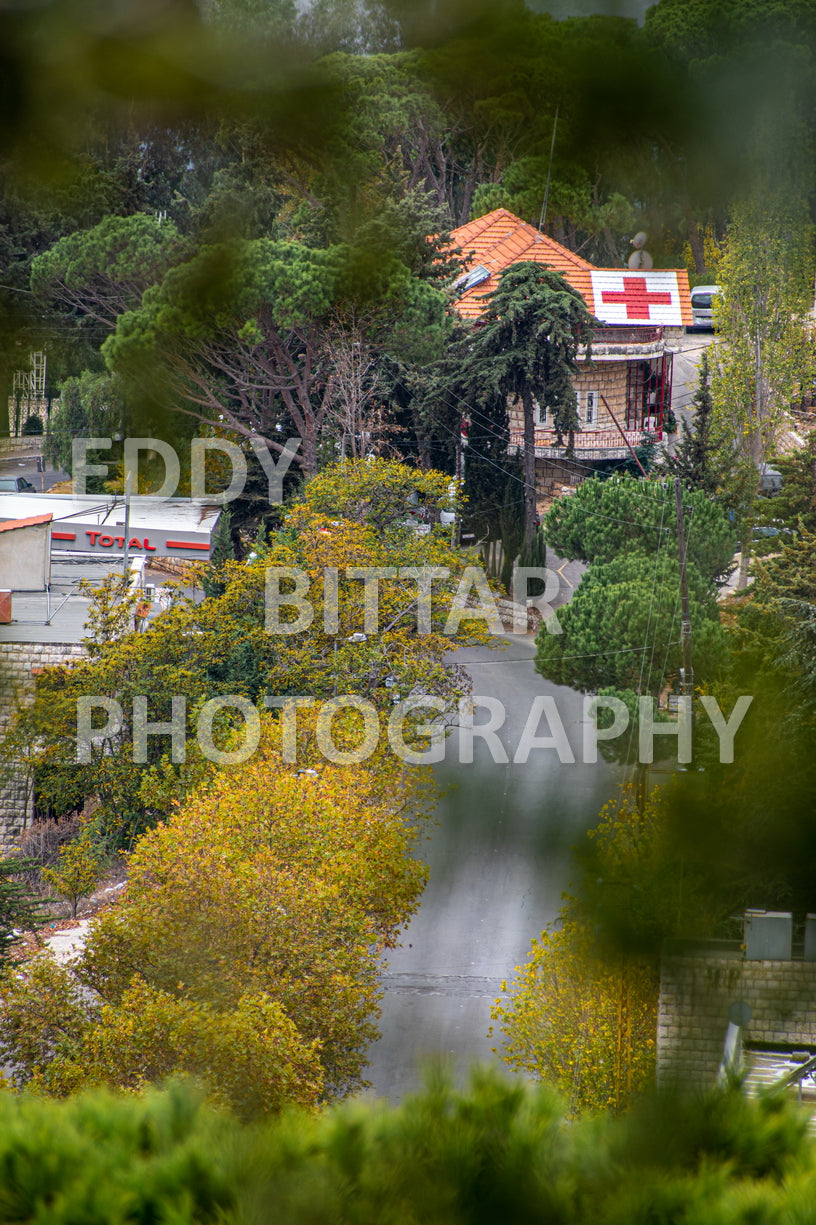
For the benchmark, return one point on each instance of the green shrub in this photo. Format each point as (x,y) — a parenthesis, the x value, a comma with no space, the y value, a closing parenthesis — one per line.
(19,911)
(496,1153)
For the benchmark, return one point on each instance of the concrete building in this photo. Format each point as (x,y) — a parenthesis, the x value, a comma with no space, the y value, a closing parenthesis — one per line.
(94,526)
(25,554)
(49,543)
(749,1002)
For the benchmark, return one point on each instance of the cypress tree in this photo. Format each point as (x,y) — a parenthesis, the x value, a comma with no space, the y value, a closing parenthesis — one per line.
(511,526)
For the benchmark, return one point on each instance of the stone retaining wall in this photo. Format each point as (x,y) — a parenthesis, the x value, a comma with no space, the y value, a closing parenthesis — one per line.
(20,664)
(31,444)
(696,994)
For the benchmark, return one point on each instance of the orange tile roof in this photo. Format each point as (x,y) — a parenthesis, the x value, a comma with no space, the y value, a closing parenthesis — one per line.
(500,239)
(31,521)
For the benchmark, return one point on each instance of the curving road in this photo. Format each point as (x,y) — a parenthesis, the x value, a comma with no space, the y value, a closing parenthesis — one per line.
(499,861)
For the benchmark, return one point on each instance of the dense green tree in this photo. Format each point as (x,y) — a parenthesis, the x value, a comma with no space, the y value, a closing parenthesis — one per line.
(621,628)
(795,503)
(534,556)
(90,406)
(511,529)
(764,357)
(746,72)
(576,215)
(487,466)
(242,333)
(607,518)
(19,911)
(495,114)
(786,593)
(102,272)
(526,349)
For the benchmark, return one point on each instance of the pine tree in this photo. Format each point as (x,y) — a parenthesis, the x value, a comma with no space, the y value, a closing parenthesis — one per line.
(526,349)
(692,461)
(19,911)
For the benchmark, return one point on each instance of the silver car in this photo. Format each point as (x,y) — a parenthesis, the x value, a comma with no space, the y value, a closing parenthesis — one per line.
(702,301)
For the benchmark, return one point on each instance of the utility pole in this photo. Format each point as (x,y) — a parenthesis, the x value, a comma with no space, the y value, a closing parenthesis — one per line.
(685,624)
(126,529)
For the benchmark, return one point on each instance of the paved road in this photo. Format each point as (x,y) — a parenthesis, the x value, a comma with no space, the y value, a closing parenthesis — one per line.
(499,863)
(685,372)
(26,465)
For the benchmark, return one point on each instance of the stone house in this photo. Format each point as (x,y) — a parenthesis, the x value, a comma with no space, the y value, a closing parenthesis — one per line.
(625,390)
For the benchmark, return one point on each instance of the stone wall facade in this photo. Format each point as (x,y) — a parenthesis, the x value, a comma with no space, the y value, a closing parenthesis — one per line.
(609,379)
(696,993)
(554,476)
(20,664)
(29,445)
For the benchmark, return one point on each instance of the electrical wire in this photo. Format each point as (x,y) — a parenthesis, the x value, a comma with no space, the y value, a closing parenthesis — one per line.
(584,510)
(498,434)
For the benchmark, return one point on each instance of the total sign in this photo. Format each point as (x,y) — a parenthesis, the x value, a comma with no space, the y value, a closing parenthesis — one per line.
(641,298)
(110,538)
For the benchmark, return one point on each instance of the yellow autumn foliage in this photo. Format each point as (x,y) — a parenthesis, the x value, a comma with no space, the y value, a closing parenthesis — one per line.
(585,1024)
(245,950)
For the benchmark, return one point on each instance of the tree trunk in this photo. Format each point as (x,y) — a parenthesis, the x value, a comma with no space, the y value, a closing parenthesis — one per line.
(695,238)
(745,558)
(529,465)
(309,451)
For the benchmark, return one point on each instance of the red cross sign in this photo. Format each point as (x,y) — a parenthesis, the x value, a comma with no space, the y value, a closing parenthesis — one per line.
(636,297)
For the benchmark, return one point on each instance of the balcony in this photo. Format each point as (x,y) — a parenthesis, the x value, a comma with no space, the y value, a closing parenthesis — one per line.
(621,344)
(589,444)
(626,336)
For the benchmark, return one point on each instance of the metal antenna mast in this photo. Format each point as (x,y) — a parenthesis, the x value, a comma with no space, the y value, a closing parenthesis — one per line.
(543,217)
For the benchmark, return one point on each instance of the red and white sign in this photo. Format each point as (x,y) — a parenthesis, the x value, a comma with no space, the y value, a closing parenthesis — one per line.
(77,537)
(157,527)
(637,298)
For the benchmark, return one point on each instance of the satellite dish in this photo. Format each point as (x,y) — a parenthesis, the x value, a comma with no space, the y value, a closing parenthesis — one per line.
(640,259)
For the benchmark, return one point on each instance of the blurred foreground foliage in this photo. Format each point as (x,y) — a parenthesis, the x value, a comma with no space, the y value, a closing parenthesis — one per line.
(499,1151)
(245,949)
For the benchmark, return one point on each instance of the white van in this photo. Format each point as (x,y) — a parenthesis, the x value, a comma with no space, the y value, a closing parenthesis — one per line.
(702,300)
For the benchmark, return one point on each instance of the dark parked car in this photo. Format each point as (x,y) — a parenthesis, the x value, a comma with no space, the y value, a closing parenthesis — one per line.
(16,484)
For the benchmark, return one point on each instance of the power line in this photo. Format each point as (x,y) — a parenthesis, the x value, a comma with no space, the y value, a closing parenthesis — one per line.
(586,655)
(518,480)
(488,421)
